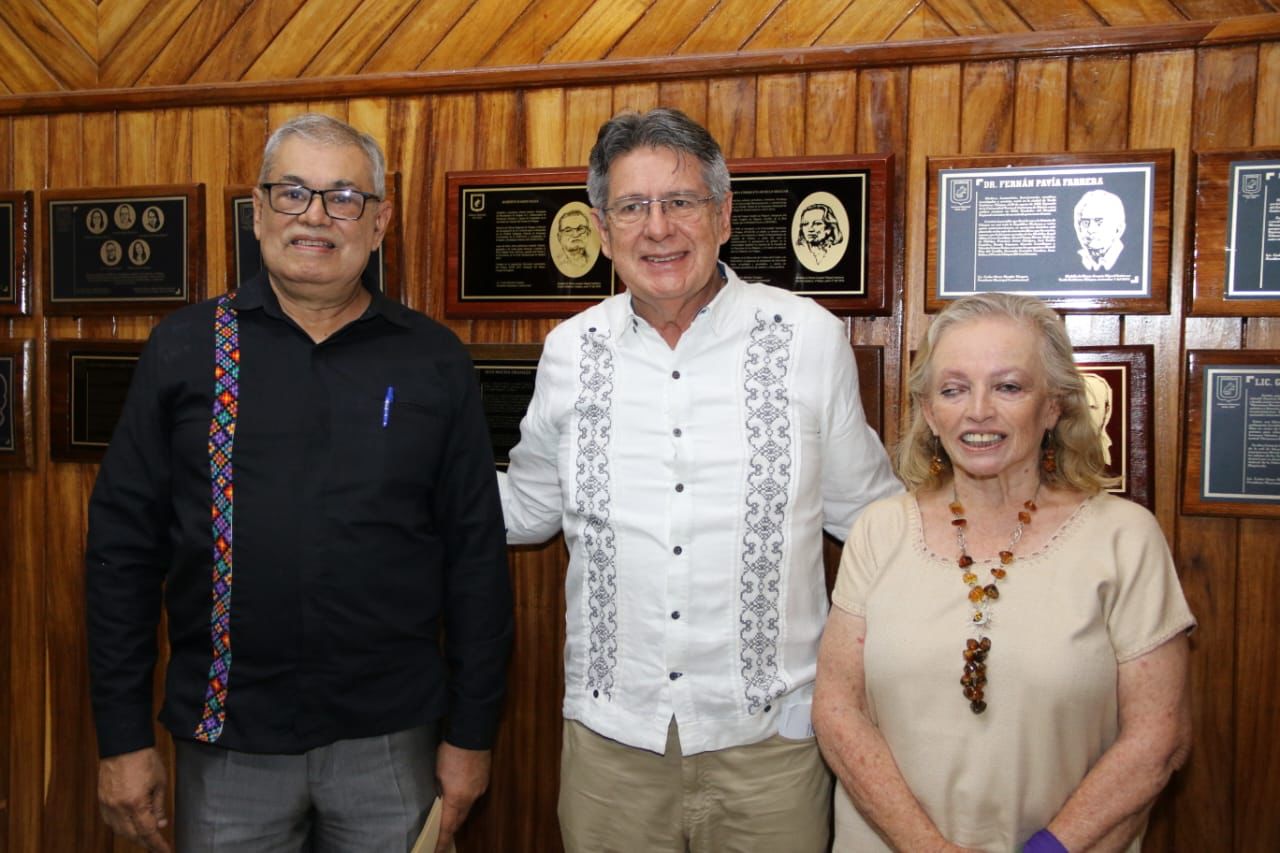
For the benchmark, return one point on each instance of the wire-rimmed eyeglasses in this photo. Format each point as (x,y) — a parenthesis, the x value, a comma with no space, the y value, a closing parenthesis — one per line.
(678,206)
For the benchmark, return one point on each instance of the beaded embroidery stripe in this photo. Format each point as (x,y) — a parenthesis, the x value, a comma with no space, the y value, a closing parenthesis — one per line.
(222,434)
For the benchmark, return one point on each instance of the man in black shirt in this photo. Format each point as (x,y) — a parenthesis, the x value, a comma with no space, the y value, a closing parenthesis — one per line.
(330,446)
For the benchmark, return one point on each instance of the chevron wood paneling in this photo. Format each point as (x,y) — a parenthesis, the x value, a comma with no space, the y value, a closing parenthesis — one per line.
(68,45)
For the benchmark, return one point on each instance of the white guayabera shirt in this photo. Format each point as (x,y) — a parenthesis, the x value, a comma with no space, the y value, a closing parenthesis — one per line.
(692,486)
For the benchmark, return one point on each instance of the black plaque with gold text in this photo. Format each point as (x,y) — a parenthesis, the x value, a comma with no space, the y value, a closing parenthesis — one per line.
(15,252)
(506,374)
(123,250)
(88,382)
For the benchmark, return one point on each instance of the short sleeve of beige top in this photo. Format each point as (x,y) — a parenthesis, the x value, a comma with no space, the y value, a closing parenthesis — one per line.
(1101,592)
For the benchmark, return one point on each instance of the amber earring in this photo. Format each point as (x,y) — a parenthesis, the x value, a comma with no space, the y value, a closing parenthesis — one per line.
(935,464)
(1048,461)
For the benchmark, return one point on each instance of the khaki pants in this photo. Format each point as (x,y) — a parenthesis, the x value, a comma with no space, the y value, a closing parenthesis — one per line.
(769,796)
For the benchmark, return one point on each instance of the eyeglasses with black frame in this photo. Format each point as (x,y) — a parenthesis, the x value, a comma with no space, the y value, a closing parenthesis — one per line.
(339,203)
(677,206)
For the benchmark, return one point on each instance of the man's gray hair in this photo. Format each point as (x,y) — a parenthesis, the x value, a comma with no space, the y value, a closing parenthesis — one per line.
(658,128)
(326,130)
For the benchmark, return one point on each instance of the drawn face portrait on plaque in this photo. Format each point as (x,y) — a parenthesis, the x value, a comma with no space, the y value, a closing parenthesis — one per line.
(139,252)
(125,216)
(1099,394)
(96,220)
(1099,221)
(153,218)
(573,242)
(110,253)
(820,225)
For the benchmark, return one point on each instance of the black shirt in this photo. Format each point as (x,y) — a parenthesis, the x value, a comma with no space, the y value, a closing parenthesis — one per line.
(353,539)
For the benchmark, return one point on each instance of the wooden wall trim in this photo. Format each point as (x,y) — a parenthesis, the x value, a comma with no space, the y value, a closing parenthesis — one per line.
(1034,45)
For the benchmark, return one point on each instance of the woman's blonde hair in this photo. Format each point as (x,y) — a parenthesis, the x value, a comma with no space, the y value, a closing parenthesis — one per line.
(1075,441)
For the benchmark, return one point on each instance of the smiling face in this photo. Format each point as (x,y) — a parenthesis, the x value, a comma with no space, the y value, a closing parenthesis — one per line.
(664,263)
(312,253)
(987,398)
(573,231)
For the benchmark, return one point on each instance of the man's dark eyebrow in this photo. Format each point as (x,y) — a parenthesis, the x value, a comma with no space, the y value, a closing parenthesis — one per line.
(341,183)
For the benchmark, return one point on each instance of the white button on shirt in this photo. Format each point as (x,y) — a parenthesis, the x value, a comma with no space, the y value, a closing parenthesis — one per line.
(692,484)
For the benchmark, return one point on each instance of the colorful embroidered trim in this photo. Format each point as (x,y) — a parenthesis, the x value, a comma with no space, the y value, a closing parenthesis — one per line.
(222,434)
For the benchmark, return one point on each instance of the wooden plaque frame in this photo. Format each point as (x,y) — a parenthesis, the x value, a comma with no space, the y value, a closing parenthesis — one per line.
(62,354)
(1156,302)
(15,401)
(1128,373)
(1193,437)
(1207,294)
(18,301)
(193,288)
(877,233)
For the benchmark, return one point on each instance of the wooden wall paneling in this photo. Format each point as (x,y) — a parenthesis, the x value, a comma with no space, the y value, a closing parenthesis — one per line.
(453,118)
(1061,15)
(146,143)
(1266,119)
(1210,9)
(80,20)
(20,68)
(497,147)
(728,26)
(409,138)
(210,144)
(641,97)
(475,33)
(731,115)
(866,21)
(182,53)
(796,24)
(987,96)
(1225,83)
(1093,329)
(1120,13)
(355,42)
(248,128)
(1040,115)
(417,36)
(780,115)
(585,109)
(23,577)
(830,112)
(235,52)
(115,17)
(969,18)
(659,31)
(1098,112)
(593,33)
(688,96)
(142,42)
(542,28)
(543,129)
(310,26)
(921,25)
(1196,812)
(933,129)
(882,126)
(55,48)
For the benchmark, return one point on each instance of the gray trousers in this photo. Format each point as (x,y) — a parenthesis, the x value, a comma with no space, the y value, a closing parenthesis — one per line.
(367,794)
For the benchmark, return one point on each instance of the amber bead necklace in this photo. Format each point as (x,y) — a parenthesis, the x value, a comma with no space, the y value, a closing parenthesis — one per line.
(981,596)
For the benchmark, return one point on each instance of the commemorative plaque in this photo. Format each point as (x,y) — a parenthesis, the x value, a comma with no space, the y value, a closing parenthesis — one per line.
(526,244)
(88,381)
(1233,433)
(1117,383)
(1236,262)
(506,374)
(123,250)
(15,405)
(1083,233)
(244,256)
(15,252)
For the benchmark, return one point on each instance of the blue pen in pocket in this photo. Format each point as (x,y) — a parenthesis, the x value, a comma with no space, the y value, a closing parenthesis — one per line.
(386,405)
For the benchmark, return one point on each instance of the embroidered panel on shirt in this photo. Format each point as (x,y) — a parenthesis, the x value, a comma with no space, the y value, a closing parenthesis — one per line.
(592,499)
(768,422)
